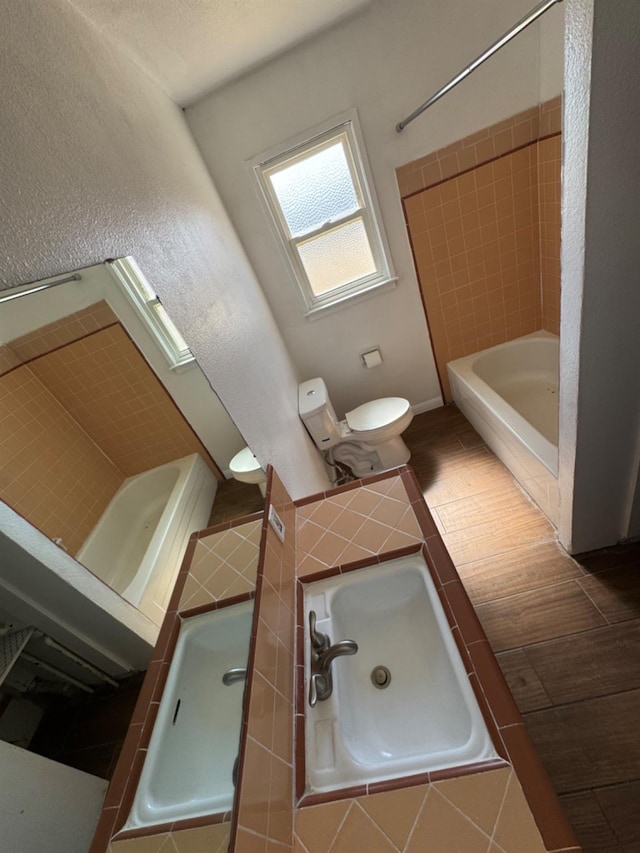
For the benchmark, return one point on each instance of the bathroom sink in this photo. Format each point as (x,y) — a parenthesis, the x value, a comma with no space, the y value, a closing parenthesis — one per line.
(189,765)
(422,714)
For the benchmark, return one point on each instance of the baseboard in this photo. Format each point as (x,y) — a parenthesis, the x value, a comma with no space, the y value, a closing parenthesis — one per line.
(427,405)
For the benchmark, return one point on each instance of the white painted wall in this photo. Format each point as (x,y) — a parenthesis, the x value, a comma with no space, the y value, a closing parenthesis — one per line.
(550,29)
(600,345)
(385,62)
(46,806)
(96,162)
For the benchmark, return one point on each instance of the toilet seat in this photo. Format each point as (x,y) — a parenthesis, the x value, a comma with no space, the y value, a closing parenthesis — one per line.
(374,420)
(377,414)
(245,467)
(245,464)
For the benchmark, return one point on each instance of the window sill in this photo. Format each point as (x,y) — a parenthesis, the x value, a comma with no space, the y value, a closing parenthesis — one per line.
(319,311)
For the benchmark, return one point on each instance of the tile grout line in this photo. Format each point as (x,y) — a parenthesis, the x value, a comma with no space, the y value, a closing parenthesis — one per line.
(499,815)
(607,622)
(340,825)
(377,826)
(460,812)
(417,818)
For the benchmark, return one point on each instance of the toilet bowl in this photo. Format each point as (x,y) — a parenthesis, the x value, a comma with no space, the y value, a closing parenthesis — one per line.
(245,467)
(368,440)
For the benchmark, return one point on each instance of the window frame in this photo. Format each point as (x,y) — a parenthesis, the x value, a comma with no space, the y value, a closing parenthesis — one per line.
(343,128)
(145,301)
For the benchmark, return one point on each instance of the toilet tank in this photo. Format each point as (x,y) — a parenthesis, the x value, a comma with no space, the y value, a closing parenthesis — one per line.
(317,413)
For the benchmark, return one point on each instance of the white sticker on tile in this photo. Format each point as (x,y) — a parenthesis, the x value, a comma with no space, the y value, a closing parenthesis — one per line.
(276,522)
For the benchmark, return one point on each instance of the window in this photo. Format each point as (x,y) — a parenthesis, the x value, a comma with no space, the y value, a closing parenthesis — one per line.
(325,216)
(151,312)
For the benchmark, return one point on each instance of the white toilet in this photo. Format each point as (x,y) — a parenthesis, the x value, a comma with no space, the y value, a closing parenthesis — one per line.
(368,440)
(245,467)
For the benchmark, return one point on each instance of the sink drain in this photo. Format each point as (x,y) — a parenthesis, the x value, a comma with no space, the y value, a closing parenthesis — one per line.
(380,677)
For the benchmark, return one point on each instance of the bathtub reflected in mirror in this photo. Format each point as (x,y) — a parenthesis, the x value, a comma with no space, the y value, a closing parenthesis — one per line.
(113,450)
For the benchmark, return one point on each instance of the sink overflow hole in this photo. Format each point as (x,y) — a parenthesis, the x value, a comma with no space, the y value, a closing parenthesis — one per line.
(380,677)
(175,713)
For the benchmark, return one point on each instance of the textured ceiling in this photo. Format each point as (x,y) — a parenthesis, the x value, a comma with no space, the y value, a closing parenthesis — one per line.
(189,47)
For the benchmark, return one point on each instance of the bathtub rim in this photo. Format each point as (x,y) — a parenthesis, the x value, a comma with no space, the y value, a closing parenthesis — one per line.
(462,370)
(193,478)
(127,485)
(417,559)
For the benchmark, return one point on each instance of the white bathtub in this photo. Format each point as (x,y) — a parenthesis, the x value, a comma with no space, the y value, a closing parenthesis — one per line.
(427,718)
(509,393)
(139,542)
(188,770)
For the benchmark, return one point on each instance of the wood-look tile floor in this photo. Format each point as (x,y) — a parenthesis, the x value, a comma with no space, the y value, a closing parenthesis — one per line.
(234,499)
(566,631)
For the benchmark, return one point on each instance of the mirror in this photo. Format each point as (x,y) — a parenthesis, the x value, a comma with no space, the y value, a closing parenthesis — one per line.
(106,435)
(110,432)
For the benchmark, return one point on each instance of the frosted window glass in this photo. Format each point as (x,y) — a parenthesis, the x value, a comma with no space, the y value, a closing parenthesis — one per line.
(337,257)
(315,190)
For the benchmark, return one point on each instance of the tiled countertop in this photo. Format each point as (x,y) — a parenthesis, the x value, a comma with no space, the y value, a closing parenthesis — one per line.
(510,807)
(220,565)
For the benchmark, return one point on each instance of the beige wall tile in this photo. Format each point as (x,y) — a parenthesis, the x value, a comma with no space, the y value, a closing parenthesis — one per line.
(488,229)
(266,788)
(440,826)
(38,438)
(247,842)
(479,796)
(63,331)
(213,839)
(359,832)
(356,524)
(105,384)
(146,844)
(516,829)
(317,826)
(224,564)
(395,811)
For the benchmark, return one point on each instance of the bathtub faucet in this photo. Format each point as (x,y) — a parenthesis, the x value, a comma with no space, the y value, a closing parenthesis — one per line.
(322,655)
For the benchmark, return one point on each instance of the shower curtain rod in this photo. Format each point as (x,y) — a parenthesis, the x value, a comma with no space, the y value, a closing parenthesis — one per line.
(26,289)
(535,13)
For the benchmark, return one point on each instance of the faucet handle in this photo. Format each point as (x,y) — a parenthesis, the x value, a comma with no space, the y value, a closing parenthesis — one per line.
(319,642)
(313,690)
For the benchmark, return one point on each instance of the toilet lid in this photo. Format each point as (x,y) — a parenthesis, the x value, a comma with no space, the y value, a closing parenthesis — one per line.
(377,413)
(244,462)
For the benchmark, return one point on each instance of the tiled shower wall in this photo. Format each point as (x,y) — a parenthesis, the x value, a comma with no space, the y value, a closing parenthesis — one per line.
(108,388)
(549,170)
(484,221)
(79,417)
(52,473)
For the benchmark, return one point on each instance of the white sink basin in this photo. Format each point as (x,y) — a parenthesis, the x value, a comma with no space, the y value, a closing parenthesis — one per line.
(427,718)
(189,764)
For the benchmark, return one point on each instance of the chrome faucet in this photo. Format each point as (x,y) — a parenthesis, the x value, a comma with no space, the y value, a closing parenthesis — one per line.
(238,673)
(322,655)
